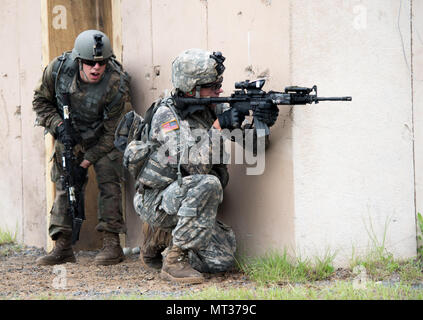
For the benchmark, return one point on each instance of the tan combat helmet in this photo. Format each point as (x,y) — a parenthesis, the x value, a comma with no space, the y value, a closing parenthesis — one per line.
(195,67)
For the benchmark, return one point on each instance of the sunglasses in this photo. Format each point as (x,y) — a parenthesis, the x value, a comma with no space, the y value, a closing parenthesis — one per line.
(93,63)
(214,86)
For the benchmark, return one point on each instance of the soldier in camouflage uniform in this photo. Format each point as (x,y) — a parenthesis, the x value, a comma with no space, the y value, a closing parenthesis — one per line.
(98,90)
(179,188)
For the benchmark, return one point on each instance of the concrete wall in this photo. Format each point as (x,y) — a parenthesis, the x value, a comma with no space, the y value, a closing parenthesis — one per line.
(353,162)
(417,68)
(22,183)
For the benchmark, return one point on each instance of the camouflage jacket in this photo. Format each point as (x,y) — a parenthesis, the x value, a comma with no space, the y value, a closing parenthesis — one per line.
(191,143)
(94,116)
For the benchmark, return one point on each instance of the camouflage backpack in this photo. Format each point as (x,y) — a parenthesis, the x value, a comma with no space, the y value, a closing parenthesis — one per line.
(131,138)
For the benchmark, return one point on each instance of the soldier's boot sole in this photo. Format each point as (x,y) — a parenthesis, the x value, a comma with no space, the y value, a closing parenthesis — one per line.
(48,261)
(191,280)
(108,262)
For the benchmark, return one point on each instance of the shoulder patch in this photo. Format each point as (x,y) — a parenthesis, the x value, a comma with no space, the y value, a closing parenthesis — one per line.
(170,126)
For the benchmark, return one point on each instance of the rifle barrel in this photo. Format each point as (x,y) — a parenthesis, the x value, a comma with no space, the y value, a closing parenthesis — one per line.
(334,98)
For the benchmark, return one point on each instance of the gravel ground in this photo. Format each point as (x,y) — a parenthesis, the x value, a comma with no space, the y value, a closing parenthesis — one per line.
(21,278)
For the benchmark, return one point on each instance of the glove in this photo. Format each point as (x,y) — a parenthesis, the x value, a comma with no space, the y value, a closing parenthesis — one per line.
(267,113)
(230,119)
(60,135)
(79,175)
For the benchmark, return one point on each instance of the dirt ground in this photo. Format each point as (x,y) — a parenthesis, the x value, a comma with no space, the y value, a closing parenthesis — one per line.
(21,278)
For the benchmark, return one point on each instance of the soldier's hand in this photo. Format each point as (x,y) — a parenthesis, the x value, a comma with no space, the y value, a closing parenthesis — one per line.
(80,175)
(230,119)
(85,164)
(61,136)
(267,113)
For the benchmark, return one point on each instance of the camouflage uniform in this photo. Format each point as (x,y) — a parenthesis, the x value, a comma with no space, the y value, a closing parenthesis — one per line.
(95,112)
(187,207)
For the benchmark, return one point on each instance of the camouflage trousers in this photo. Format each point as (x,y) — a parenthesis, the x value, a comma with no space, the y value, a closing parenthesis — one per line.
(108,172)
(189,212)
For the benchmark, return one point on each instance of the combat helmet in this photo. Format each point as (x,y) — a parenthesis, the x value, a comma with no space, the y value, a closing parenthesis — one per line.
(196,67)
(92,45)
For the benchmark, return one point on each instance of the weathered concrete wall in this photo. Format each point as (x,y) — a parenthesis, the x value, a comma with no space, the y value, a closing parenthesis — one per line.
(353,162)
(417,37)
(22,186)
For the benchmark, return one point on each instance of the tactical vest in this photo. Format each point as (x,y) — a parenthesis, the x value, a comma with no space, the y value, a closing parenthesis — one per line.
(89,105)
(133,137)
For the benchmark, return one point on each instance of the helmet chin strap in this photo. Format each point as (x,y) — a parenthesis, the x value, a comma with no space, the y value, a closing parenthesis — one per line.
(197,91)
(83,72)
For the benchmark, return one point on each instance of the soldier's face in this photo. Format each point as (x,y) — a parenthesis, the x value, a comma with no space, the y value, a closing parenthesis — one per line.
(210,92)
(92,74)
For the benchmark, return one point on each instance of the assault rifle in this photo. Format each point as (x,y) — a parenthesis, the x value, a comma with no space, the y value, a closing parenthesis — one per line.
(74,175)
(250,95)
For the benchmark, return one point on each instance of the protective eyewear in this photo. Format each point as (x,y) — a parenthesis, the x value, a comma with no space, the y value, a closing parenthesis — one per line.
(92,63)
(214,85)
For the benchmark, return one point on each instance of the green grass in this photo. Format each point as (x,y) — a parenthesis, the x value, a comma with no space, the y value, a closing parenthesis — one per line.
(280,268)
(419,235)
(7,237)
(8,243)
(340,290)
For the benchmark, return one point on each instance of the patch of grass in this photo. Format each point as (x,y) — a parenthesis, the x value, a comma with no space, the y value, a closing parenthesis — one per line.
(340,290)
(8,243)
(419,236)
(274,267)
(7,237)
(380,264)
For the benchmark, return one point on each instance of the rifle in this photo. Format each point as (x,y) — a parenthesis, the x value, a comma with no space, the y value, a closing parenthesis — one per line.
(250,95)
(73,177)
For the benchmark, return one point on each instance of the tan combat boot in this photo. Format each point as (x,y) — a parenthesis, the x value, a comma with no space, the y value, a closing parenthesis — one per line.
(177,268)
(61,253)
(154,242)
(112,252)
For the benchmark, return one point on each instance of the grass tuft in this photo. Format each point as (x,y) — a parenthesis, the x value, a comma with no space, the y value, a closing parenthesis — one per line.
(278,268)
(7,237)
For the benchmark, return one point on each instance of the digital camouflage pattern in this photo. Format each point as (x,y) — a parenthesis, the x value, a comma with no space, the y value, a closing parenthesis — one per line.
(193,67)
(128,129)
(187,210)
(95,113)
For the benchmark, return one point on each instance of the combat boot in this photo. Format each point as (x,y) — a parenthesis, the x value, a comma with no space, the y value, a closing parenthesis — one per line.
(154,242)
(112,252)
(177,268)
(61,253)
